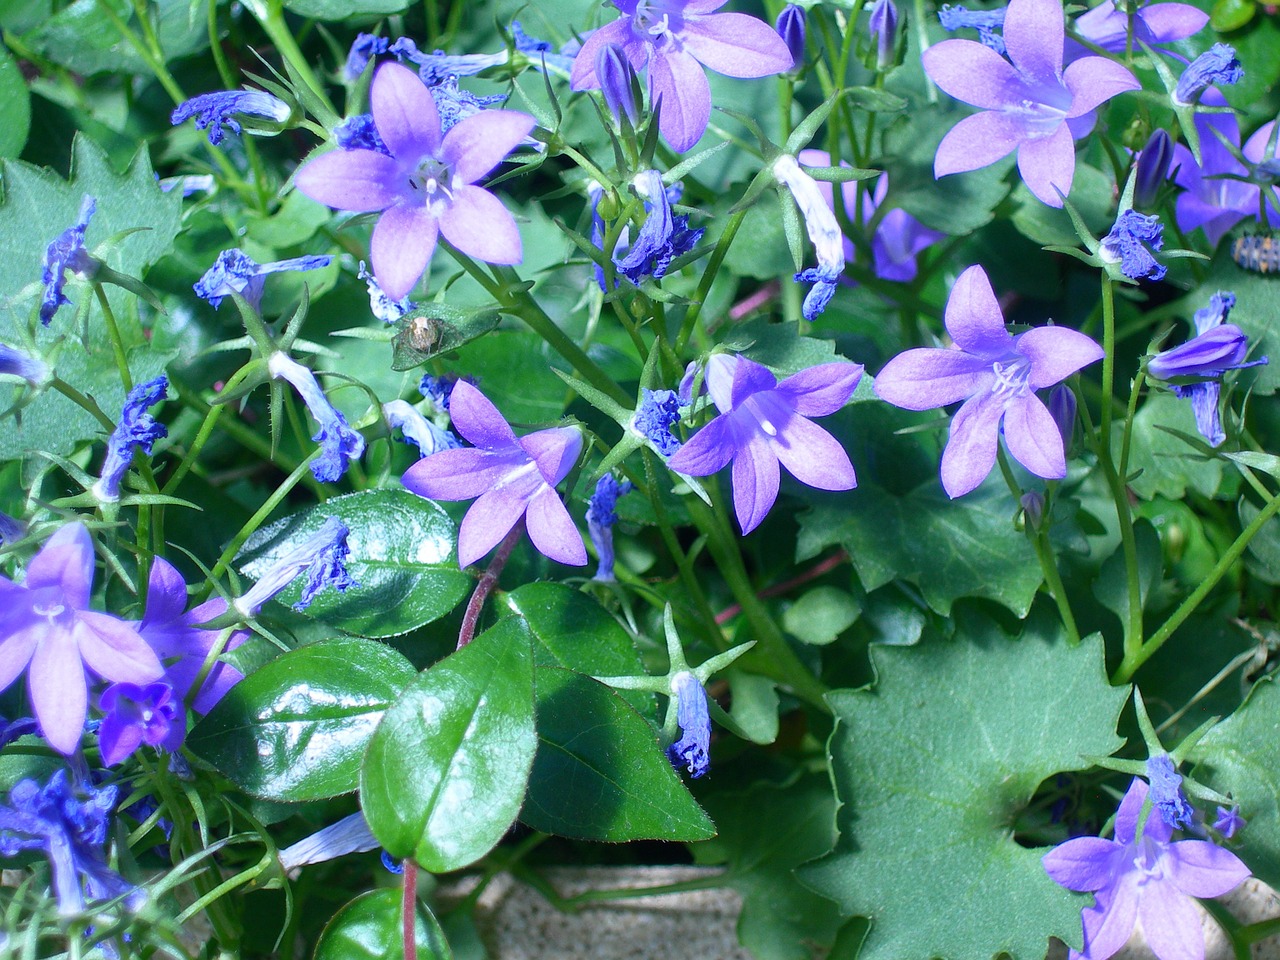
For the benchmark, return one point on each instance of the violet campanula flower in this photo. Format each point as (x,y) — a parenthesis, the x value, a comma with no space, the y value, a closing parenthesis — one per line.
(1167,797)
(1217,65)
(1211,198)
(417,429)
(339,444)
(1229,822)
(618,83)
(673,40)
(16,363)
(1027,105)
(380,305)
(321,558)
(236,271)
(365,47)
(658,412)
(791,28)
(763,423)
(66,252)
(135,715)
(137,430)
(426,187)
(214,110)
(359,133)
(883,25)
(1152,168)
(1127,245)
(1143,878)
(1154,24)
(46,624)
(823,229)
(956,16)
(996,375)
(71,825)
(662,237)
(508,476)
(601,517)
(693,750)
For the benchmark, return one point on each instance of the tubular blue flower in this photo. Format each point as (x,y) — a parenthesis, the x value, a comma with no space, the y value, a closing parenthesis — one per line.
(66,252)
(321,558)
(417,429)
(1229,822)
(1027,105)
(791,28)
(1143,878)
(70,826)
(661,239)
(763,423)
(427,186)
(1212,199)
(1032,507)
(236,271)
(955,17)
(996,375)
(884,27)
(658,412)
(434,67)
(1062,407)
(693,750)
(351,834)
(11,530)
(601,517)
(136,715)
(673,40)
(618,83)
(1127,242)
(1152,168)
(16,363)
(823,229)
(380,305)
(1155,24)
(359,133)
(510,477)
(1166,792)
(45,622)
(213,110)
(137,430)
(338,442)
(1217,65)
(455,104)
(365,48)
(439,389)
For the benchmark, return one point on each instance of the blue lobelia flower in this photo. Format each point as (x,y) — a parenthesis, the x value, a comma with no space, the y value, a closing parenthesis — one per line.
(601,517)
(417,429)
(136,715)
(321,558)
(382,306)
(1143,878)
(70,825)
(763,423)
(1166,792)
(662,238)
(339,444)
(214,110)
(365,47)
(658,412)
(1229,822)
(1217,65)
(823,229)
(66,252)
(693,750)
(16,363)
(1127,244)
(137,430)
(955,17)
(235,270)
(439,389)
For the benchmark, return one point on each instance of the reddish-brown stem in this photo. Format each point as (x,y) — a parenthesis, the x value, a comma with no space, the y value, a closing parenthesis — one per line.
(409,909)
(488,580)
(817,570)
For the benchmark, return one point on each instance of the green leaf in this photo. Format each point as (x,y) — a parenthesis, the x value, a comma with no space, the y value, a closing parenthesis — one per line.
(1169,467)
(296,729)
(948,548)
(344,9)
(1231,15)
(599,773)
(1257,309)
(1091,192)
(932,767)
(821,615)
(1112,586)
(402,557)
(369,928)
(15,107)
(779,346)
(446,770)
(83,37)
(437,328)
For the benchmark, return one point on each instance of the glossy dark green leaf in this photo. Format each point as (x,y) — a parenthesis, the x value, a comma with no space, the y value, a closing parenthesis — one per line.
(402,557)
(446,770)
(600,773)
(296,729)
(437,328)
(370,928)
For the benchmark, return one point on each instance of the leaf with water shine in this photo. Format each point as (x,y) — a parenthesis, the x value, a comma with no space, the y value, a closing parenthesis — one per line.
(370,928)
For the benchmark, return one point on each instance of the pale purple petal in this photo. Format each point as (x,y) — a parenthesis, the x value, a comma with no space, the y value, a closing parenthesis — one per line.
(477,144)
(677,79)
(65,561)
(974,73)
(584,76)
(821,390)
(1109,923)
(405,113)
(1094,80)
(476,222)
(710,449)
(1084,863)
(1202,869)
(1169,22)
(755,482)
(928,377)
(973,316)
(1055,354)
(58,691)
(1130,809)
(749,377)
(698,6)
(356,180)
(1047,163)
(1171,924)
(736,45)
(16,650)
(401,248)
(552,530)
(1192,212)
(166,594)
(813,456)
(977,141)
(477,420)
(719,379)
(971,448)
(488,520)
(555,451)
(1033,438)
(115,650)
(1033,35)
(457,474)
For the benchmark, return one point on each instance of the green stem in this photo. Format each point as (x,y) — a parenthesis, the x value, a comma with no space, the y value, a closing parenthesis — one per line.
(258,519)
(272,21)
(117,345)
(708,278)
(1054,581)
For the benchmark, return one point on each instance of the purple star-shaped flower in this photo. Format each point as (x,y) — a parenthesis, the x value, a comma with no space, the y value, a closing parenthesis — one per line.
(1027,105)
(996,375)
(673,40)
(46,622)
(426,186)
(1153,23)
(139,714)
(763,423)
(510,477)
(1147,879)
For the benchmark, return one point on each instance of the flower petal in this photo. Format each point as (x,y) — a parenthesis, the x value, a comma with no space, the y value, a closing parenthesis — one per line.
(405,113)
(1094,80)
(813,456)
(1033,438)
(1169,22)
(65,561)
(1083,863)
(477,420)
(1171,924)
(755,483)
(1034,31)
(552,530)
(166,594)
(1056,353)
(490,519)
(356,180)
(584,76)
(401,248)
(1047,163)
(58,691)
(1108,924)
(977,141)
(459,474)
(736,45)
(1130,808)
(677,79)
(115,650)
(821,390)
(749,377)
(974,74)
(710,449)
(476,222)
(555,451)
(971,448)
(1202,869)
(973,316)
(475,145)
(18,646)
(929,377)
(719,379)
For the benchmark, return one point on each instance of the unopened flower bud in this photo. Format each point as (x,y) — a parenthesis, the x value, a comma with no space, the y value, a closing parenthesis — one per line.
(618,83)
(1032,508)
(1217,65)
(884,27)
(1153,168)
(1062,407)
(791,28)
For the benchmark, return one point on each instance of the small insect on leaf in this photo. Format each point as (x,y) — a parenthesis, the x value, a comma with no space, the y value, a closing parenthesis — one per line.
(1260,254)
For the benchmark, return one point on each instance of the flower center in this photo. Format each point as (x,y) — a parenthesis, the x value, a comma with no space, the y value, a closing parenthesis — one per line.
(1011,376)
(49,603)
(1041,118)
(1149,860)
(431,182)
(653,19)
